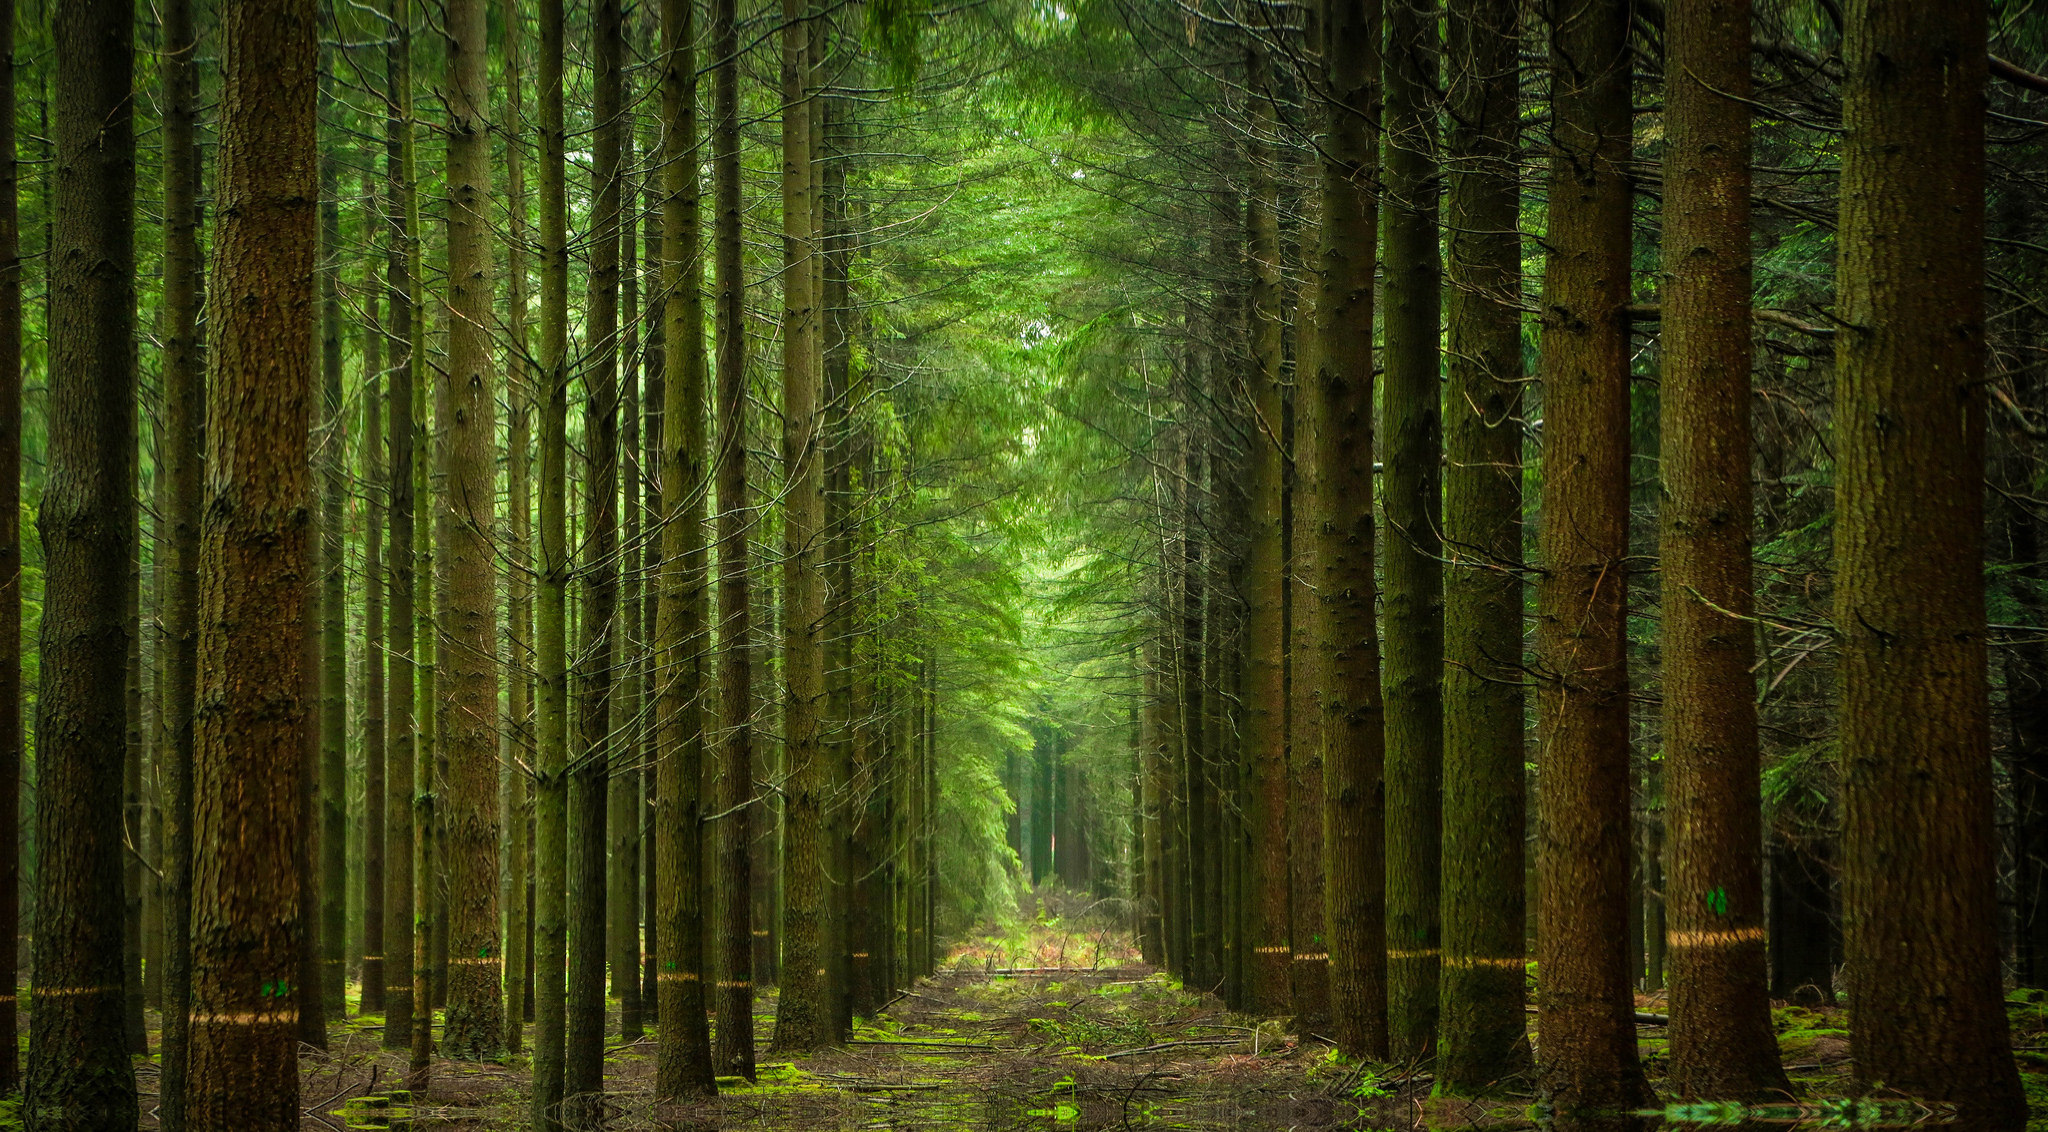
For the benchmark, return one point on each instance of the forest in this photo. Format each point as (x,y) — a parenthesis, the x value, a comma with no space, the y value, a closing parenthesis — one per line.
(1182,564)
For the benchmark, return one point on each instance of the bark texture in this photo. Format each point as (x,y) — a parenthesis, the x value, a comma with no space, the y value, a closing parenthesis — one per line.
(1585,1009)
(256,569)
(78,1071)
(1920,906)
(1722,1044)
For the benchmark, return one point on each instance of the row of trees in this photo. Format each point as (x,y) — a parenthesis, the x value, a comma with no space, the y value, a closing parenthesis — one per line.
(673,690)
(1474,325)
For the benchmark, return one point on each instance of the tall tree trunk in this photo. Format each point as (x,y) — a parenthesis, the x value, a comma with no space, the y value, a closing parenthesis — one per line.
(519,388)
(1918,881)
(78,1069)
(401,682)
(683,1066)
(1482,1033)
(376,488)
(331,461)
(257,559)
(1414,598)
(551,764)
(1265,654)
(474,1029)
(1338,396)
(10,550)
(180,461)
(1722,1044)
(598,636)
(732,833)
(622,895)
(1307,624)
(803,1016)
(1586,1011)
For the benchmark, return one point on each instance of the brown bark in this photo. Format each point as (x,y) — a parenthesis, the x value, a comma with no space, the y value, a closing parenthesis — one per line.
(732,831)
(467,412)
(1341,392)
(1722,1045)
(1918,881)
(1482,1033)
(1586,1013)
(256,568)
(78,1073)
(1265,652)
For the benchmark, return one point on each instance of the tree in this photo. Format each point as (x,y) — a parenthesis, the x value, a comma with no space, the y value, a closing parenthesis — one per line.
(551,763)
(331,459)
(1265,651)
(468,412)
(1354,815)
(1722,1044)
(401,736)
(1413,511)
(256,564)
(684,1065)
(78,1072)
(10,555)
(1585,1008)
(1927,1016)
(803,1016)
(520,388)
(1482,1035)
(599,644)
(733,1053)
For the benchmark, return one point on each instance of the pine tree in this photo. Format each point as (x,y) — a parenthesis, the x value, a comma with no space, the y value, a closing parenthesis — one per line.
(733,1053)
(1586,1016)
(257,563)
(1482,1033)
(1926,1014)
(1413,514)
(467,409)
(78,1071)
(1722,1044)
(1341,388)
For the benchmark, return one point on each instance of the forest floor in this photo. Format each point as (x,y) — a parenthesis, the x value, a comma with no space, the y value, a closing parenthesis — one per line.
(1062,1028)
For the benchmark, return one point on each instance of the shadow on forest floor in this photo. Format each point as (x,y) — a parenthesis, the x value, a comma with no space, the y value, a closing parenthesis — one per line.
(1060,1029)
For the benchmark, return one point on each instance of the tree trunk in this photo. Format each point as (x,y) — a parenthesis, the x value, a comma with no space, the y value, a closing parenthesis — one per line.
(376,488)
(519,390)
(1482,1033)
(467,410)
(803,1016)
(1413,510)
(180,459)
(1307,626)
(10,547)
(732,833)
(331,462)
(598,636)
(401,735)
(78,1069)
(1722,1045)
(1927,1016)
(622,880)
(1265,654)
(257,560)
(683,1065)
(551,762)
(1338,398)
(1586,1011)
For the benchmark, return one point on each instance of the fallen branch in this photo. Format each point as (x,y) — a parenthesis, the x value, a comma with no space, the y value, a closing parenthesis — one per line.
(1163,1046)
(913,1042)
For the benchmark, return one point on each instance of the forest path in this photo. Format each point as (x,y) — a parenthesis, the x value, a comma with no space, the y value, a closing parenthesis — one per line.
(1061,1027)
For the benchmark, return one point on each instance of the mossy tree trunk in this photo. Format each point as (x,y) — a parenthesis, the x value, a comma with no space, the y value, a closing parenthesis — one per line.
(1482,1032)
